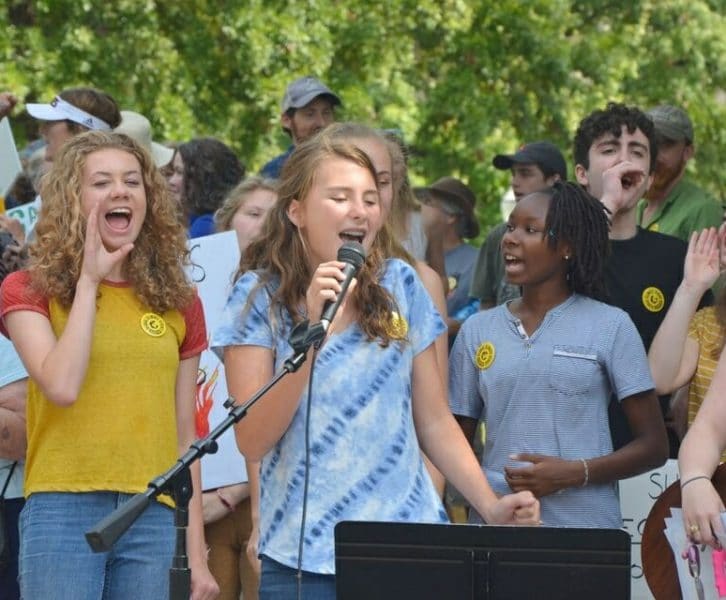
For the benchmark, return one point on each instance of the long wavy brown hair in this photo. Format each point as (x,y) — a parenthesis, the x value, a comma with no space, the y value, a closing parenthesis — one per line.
(397,218)
(280,253)
(155,266)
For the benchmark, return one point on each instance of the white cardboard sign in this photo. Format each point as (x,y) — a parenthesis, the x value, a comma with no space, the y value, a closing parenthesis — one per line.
(215,259)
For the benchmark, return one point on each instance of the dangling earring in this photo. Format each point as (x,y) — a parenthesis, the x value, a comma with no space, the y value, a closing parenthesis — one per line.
(569,268)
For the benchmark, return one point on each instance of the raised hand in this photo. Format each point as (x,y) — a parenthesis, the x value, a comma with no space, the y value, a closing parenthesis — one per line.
(98,262)
(702,266)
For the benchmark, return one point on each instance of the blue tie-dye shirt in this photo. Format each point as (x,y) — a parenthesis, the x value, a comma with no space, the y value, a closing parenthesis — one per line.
(365,462)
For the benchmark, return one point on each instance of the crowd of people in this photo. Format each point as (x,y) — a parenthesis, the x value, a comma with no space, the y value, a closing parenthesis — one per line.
(581,341)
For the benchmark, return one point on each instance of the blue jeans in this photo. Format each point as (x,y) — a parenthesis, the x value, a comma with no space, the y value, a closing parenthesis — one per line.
(279,582)
(56,563)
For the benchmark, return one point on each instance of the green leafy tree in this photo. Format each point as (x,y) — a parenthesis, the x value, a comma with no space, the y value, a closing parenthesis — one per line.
(462,80)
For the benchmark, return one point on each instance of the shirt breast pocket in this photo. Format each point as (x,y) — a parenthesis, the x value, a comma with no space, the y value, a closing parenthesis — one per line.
(574,370)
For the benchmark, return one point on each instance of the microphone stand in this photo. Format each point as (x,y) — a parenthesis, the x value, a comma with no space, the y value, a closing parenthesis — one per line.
(177,481)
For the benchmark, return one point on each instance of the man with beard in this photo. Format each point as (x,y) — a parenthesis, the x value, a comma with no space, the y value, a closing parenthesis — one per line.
(307,107)
(673,205)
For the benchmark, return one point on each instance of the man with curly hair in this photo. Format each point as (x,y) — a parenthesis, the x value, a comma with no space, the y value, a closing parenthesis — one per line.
(615,152)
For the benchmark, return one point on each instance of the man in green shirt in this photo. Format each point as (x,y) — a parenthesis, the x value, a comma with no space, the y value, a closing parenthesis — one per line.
(673,205)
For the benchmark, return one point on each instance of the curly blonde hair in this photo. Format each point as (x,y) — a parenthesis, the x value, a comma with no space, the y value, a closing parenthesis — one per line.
(280,254)
(155,266)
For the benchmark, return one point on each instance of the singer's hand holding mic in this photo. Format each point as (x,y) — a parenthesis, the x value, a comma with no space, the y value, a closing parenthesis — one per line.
(331,284)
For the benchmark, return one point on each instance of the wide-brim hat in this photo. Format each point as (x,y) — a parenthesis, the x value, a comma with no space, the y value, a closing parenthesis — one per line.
(137,126)
(457,193)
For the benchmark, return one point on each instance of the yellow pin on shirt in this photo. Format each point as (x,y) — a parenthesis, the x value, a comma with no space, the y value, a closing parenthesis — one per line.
(153,324)
(397,326)
(653,299)
(485,355)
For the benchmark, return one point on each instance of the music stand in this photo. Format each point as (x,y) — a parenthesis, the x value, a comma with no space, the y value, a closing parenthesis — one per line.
(390,561)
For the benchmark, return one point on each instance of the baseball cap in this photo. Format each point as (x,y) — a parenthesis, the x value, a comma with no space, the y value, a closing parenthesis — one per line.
(456,192)
(545,155)
(60,110)
(671,122)
(137,126)
(303,91)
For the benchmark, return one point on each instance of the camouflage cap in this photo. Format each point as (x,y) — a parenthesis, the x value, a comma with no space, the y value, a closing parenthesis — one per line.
(672,123)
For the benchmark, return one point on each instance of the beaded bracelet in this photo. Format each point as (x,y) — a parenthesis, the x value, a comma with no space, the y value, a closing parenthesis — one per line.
(587,472)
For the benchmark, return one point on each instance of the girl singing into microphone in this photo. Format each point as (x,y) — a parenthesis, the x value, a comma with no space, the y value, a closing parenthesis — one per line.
(374,388)
(110,331)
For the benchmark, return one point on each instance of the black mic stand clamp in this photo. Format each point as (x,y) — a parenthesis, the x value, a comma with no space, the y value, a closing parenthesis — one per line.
(304,335)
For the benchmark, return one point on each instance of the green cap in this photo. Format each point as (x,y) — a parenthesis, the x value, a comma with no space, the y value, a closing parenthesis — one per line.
(671,122)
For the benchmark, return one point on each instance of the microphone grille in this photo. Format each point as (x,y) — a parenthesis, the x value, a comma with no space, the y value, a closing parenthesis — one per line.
(352,253)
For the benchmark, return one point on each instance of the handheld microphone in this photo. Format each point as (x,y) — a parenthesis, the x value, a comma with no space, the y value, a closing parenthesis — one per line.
(353,255)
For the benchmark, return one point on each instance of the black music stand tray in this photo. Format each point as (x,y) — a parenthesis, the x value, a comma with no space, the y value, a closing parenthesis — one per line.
(392,561)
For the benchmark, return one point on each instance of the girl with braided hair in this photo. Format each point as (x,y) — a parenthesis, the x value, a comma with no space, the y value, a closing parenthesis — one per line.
(541,369)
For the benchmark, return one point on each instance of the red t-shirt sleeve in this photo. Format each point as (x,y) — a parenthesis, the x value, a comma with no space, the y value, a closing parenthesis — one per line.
(196,337)
(16,294)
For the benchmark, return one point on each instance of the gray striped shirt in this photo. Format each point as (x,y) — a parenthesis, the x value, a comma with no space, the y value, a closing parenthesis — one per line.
(548,394)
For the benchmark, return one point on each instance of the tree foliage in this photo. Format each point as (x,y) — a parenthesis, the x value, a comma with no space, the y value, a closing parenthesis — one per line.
(463,80)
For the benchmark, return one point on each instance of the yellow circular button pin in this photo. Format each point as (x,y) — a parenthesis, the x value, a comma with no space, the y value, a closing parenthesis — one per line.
(485,355)
(397,326)
(153,324)
(653,299)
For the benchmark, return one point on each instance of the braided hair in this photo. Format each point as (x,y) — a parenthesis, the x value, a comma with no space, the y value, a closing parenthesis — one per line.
(578,218)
